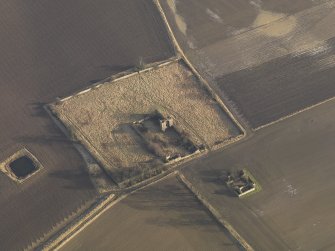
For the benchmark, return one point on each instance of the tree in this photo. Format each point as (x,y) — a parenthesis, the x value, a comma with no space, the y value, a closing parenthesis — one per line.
(140,64)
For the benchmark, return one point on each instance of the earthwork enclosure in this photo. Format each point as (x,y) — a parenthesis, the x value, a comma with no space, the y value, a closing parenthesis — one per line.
(119,121)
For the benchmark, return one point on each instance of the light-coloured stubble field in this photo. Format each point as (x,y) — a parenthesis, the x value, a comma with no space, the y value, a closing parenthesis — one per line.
(101,117)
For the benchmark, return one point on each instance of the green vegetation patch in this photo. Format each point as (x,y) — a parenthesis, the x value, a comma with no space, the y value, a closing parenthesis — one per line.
(258,186)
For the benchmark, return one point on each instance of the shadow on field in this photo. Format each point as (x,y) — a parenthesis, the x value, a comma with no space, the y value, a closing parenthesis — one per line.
(38,109)
(94,81)
(212,176)
(175,204)
(75,180)
(44,139)
(115,68)
(217,177)
(48,134)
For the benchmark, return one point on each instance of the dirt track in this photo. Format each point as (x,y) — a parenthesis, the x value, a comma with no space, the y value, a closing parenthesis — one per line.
(165,216)
(293,160)
(50,49)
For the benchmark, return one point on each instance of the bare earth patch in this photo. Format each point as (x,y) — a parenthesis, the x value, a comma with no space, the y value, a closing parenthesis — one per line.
(101,118)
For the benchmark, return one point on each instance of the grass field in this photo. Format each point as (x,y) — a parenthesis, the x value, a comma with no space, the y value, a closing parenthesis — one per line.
(101,118)
(165,216)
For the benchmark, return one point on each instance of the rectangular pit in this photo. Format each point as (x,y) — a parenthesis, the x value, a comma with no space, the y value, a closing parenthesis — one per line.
(21,165)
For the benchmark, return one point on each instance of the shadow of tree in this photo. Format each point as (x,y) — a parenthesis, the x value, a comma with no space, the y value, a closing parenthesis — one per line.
(74,179)
(170,200)
(175,202)
(115,68)
(38,109)
(171,204)
(44,139)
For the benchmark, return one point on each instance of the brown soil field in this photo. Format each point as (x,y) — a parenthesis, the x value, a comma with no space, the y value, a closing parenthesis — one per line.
(50,49)
(101,117)
(165,216)
(267,59)
(293,160)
